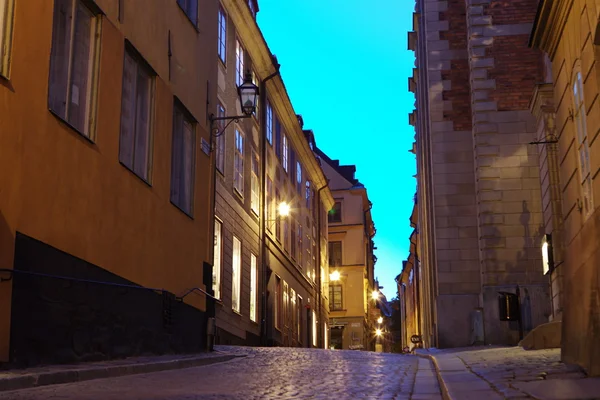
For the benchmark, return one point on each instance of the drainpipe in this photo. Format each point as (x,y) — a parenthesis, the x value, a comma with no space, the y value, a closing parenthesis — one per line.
(319,285)
(264,280)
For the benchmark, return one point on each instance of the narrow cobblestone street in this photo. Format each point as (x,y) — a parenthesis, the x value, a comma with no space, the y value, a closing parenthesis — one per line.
(266,373)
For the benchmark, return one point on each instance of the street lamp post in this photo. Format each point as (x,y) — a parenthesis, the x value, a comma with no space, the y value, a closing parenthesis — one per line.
(247,93)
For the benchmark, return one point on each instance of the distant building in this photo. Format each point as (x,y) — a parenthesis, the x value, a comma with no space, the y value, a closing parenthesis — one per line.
(268,266)
(351,259)
(480,221)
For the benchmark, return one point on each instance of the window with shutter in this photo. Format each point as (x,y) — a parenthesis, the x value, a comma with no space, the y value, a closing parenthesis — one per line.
(73,63)
(136,102)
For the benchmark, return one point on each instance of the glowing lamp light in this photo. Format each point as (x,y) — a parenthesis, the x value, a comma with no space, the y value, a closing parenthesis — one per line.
(380,320)
(375,295)
(283,209)
(334,276)
(378,332)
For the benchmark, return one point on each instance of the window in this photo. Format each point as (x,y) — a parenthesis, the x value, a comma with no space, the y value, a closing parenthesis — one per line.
(236,275)
(73,64)
(277,303)
(335,254)
(277,137)
(579,119)
(335,297)
(238,163)
(307,195)
(183,160)
(299,245)
(136,104)
(190,7)
(216,273)
(252,7)
(293,314)
(254,187)
(269,204)
(285,153)
(253,287)
(314,328)
(269,123)
(335,214)
(220,139)
(326,336)
(299,318)
(6,11)
(277,216)
(293,241)
(299,177)
(286,305)
(222,34)
(256,82)
(286,233)
(239,63)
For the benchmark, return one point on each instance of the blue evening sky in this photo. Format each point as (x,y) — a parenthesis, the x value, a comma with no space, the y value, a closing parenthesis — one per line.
(345,65)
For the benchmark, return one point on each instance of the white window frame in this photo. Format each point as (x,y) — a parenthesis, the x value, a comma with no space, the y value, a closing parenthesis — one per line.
(222,39)
(254,185)
(64,96)
(238,162)
(239,63)
(253,288)
(217,259)
(270,123)
(6,24)
(135,138)
(236,275)
(583,149)
(285,151)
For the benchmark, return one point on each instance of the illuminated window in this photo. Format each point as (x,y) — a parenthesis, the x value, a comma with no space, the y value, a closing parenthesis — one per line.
(190,7)
(222,43)
(136,103)
(239,63)
(73,64)
(253,287)
(183,159)
(238,163)
(277,303)
(236,275)
(335,297)
(314,328)
(6,19)
(216,282)
(579,118)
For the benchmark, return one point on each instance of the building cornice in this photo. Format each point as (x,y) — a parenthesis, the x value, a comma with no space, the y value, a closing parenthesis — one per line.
(262,62)
(549,24)
(542,99)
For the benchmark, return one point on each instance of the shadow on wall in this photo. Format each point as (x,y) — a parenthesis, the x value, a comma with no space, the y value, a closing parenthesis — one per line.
(58,321)
(7,245)
(534,296)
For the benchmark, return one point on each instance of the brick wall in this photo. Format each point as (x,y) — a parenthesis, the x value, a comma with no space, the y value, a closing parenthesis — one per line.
(511,11)
(517,70)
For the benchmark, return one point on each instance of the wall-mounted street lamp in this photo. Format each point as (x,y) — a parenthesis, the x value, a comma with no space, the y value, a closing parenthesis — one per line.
(380,320)
(283,209)
(378,332)
(375,295)
(334,276)
(248,94)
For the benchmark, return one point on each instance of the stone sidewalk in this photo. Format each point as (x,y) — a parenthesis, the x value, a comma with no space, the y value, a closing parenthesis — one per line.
(68,373)
(494,373)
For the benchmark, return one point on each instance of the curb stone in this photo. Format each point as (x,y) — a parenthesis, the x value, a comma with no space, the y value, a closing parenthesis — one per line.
(86,372)
(443,387)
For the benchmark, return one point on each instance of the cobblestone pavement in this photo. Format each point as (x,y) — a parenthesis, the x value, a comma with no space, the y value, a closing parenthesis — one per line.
(265,373)
(511,373)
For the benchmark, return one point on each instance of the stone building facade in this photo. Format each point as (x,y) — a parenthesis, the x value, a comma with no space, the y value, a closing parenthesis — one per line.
(352,309)
(568,112)
(268,268)
(480,217)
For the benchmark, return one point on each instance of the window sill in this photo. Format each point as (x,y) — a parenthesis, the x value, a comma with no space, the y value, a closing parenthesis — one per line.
(65,122)
(223,63)
(189,215)
(236,312)
(240,195)
(135,174)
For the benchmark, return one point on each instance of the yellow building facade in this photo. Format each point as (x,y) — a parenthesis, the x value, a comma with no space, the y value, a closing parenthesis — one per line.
(568,110)
(104,178)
